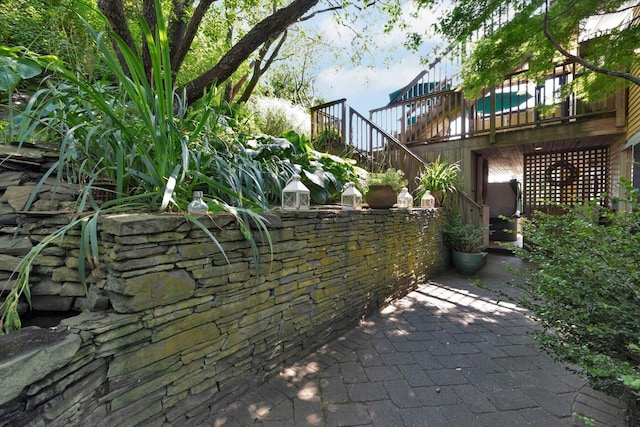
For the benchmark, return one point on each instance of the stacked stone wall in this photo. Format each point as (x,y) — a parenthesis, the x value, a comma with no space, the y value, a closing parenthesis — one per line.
(172,327)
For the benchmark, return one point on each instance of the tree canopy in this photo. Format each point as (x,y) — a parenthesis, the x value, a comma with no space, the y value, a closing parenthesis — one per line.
(185,22)
(504,35)
(225,43)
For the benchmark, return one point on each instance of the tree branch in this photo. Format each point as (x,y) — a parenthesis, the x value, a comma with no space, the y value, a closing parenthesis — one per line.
(149,16)
(113,10)
(268,28)
(334,8)
(176,25)
(589,65)
(318,12)
(259,71)
(189,34)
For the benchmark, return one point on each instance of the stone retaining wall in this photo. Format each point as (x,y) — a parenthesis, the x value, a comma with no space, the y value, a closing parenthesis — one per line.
(177,327)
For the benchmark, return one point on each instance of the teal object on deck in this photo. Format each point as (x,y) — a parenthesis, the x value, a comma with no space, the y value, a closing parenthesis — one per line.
(504,101)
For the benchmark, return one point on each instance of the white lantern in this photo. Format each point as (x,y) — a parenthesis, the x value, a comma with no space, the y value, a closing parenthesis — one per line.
(351,197)
(427,200)
(405,200)
(197,206)
(295,195)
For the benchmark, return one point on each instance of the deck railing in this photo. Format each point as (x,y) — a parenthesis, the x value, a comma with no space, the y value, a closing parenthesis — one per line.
(435,112)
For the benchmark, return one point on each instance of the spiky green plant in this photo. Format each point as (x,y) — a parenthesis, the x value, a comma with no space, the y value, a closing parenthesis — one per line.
(441,178)
(139,134)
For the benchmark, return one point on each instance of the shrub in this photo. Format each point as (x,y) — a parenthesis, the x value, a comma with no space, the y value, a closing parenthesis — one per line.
(393,177)
(275,116)
(463,236)
(584,289)
(323,173)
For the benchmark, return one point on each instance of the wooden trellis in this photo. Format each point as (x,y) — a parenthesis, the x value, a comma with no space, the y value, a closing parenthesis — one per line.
(566,177)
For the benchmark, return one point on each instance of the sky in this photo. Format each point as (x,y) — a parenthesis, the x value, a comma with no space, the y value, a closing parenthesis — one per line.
(366,85)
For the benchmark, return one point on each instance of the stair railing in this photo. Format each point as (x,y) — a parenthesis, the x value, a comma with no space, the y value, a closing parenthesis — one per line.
(374,148)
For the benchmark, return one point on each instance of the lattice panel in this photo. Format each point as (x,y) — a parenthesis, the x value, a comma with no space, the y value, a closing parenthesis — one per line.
(567,177)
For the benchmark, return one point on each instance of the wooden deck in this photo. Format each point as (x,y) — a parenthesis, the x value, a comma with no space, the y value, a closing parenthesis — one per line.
(489,135)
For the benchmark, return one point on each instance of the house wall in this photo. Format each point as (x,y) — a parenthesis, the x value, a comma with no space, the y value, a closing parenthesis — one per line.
(634,109)
(186,327)
(633,127)
(631,150)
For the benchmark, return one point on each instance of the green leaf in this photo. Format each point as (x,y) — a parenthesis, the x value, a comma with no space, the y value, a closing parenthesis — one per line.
(27,68)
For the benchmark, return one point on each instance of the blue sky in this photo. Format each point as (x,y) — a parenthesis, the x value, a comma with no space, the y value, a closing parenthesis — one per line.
(367,84)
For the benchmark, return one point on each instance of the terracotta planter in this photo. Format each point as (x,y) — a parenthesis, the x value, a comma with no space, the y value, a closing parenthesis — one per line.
(380,197)
(468,263)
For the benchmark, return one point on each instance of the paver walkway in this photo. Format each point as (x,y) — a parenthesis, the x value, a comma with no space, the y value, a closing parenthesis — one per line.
(448,354)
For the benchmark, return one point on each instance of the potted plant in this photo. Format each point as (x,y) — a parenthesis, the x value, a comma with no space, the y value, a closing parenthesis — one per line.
(382,188)
(441,178)
(466,241)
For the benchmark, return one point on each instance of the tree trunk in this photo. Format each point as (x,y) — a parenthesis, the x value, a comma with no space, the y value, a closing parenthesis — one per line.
(113,10)
(266,29)
(258,69)
(149,16)
(188,34)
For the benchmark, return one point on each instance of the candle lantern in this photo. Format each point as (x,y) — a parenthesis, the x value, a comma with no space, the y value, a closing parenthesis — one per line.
(405,200)
(427,200)
(295,195)
(351,198)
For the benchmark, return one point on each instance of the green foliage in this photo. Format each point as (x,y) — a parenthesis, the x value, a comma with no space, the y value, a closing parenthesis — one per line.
(461,236)
(291,79)
(519,39)
(584,288)
(15,67)
(394,178)
(327,139)
(138,134)
(324,174)
(50,28)
(274,116)
(441,178)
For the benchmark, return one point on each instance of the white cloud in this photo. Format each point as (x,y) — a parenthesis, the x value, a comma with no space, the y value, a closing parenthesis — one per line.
(339,36)
(334,34)
(366,88)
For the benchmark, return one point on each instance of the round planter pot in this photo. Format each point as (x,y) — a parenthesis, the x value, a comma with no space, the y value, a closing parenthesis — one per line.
(380,197)
(468,263)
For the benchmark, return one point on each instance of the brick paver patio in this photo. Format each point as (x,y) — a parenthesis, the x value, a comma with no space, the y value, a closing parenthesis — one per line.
(448,354)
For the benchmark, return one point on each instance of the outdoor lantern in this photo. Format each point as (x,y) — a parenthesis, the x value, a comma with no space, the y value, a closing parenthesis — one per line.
(197,206)
(351,197)
(427,200)
(295,195)
(405,200)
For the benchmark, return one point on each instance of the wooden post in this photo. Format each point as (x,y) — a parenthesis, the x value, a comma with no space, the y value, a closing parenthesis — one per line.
(343,123)
(403,123)
(621,107)
(463,116)
(492,117)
